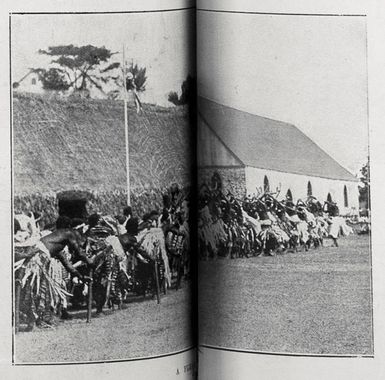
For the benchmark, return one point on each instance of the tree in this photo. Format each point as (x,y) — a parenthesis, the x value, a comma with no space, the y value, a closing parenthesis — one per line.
(53,79)
(188,94)
(139,78)
(136,81)
(173,97)
(364,188)
(188,97)
(79,68)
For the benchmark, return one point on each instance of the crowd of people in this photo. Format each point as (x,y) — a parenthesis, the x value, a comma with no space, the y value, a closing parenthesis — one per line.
(263,225)
(121,255)
(116,255)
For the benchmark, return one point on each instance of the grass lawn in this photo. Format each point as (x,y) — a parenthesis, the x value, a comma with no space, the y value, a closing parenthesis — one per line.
(316,302)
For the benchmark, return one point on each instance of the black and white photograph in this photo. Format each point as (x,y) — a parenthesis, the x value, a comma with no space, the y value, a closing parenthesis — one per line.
(101,107)
(284,224)
(192,189)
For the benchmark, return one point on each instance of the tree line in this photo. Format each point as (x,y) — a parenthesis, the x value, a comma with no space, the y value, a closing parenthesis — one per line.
(80,68)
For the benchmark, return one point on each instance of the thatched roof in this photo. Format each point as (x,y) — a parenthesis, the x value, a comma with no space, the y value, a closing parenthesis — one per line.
(63,143)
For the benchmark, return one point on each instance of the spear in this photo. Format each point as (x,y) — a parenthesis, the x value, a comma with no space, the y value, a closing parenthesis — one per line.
(89,304)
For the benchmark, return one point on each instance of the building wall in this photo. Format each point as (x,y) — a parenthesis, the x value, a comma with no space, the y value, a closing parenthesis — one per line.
(214,156)
(31,83)
(211,151)
(233,179)
(298,185)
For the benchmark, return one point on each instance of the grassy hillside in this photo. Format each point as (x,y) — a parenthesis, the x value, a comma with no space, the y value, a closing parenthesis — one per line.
(61,144)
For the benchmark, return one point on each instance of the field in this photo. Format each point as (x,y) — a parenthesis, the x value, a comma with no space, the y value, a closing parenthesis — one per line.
(140,329)
(316,302)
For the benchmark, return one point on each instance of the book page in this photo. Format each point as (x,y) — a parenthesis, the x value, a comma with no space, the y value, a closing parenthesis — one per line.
(289,167)
(96,164)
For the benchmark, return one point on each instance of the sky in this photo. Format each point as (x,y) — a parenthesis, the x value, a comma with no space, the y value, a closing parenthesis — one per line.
(162,42)
(305,70)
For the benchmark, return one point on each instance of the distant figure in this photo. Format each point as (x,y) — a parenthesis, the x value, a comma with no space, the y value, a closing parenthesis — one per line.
(334,221)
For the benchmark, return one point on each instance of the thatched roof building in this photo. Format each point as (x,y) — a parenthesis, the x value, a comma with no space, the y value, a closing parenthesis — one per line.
(67,143)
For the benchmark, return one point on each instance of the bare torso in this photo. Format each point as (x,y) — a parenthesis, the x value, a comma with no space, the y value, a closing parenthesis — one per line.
(59,239)
(66,237)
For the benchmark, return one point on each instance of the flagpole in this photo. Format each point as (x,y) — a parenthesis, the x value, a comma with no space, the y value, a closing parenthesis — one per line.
(126,130)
